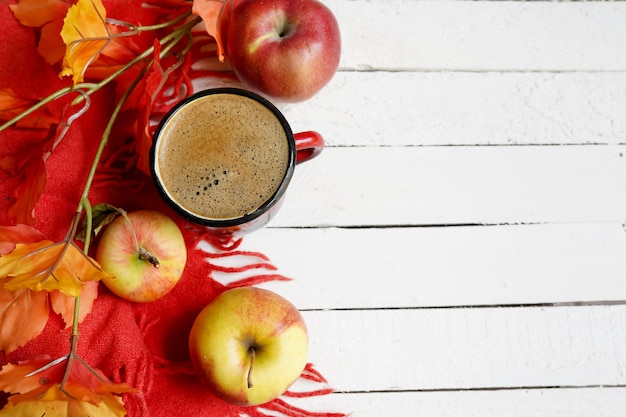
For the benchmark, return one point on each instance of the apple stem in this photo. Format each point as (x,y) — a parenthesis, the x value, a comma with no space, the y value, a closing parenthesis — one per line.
(145,255)
(252,353)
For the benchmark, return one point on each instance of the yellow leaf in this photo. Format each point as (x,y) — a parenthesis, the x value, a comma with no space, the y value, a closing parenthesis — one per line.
(85,35)
(36,409)
(49,266)
(113,407)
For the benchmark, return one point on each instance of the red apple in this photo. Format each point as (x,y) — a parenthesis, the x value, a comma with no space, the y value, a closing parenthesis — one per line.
(145,252)
(249,345)
(284,49)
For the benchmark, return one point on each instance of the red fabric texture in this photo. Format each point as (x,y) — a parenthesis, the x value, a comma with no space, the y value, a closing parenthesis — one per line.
(144,345)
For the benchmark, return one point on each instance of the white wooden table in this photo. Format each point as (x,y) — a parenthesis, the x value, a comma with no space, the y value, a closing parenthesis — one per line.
(459,249)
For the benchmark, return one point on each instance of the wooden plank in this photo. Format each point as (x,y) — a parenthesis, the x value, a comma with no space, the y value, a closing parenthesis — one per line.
(442,266)
(581,402)
(465,108)
(457,185)
(481,35)
(475,348)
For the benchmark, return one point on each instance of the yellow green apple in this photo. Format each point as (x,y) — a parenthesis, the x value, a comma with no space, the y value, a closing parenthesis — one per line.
(145,252)
(249,345)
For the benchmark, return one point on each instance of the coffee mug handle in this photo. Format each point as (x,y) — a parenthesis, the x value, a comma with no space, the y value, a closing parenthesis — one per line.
(308,145)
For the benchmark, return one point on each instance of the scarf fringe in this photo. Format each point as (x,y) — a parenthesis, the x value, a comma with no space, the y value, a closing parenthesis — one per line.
(256,280)
(313,374)
(231,269)
(282,408)
(288,410)
(240,253)
(237,263)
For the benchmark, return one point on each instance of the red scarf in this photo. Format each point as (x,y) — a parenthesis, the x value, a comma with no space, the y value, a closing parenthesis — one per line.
(144,345)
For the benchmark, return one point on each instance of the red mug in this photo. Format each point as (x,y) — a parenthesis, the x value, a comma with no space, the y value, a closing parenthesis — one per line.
(223,158)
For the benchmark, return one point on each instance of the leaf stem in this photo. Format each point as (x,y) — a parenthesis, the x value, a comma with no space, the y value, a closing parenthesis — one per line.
(134,30)
(174,36)
(89,223)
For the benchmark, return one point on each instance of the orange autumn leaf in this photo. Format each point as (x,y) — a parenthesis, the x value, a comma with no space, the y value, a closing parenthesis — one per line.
(11,106)
(118,51)
(85,35)
(20,233)
(47,15)
(112,407)
(58,408)
(154,80)
(64,305)
(210,11)
(46,387)
(30,167)
(51,46)
(23,314)
(36,13)
(49,266)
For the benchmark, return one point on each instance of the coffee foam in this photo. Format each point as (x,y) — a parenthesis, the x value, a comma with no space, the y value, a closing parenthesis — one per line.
(222,156)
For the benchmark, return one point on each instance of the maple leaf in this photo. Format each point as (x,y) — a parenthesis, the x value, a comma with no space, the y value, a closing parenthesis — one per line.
(49,266)
(85,35)
(213,12)
(60,387)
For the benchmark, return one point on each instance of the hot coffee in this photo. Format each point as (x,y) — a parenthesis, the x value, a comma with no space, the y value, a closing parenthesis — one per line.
(221,156)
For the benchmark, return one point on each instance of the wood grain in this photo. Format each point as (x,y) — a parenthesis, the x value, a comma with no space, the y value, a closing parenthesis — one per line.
(335,268)
(466,108)
(458,249)
(522,402)
(469,348)
(378,186)
(481,35)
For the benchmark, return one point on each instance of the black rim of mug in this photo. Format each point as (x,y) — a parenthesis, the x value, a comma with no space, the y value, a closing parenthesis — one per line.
(268,204)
